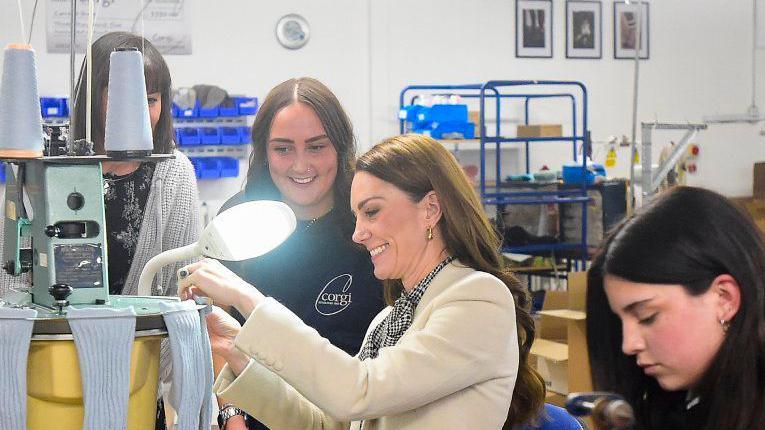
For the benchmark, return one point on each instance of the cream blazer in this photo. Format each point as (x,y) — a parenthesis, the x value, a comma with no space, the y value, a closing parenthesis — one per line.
(454,368)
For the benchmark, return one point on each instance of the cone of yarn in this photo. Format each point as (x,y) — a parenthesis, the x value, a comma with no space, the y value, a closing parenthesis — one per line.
(21,133)
(128,129)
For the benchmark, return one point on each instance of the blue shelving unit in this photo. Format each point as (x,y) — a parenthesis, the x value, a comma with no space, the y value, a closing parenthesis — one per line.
(501,195)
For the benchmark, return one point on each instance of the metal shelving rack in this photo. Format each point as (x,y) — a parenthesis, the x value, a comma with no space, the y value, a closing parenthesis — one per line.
(500,195)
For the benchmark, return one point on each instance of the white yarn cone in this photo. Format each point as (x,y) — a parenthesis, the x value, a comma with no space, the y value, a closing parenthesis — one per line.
(21,134)
(128,128)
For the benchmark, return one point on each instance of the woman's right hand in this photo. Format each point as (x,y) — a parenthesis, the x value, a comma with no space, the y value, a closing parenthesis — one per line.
(222,329)
(212,279)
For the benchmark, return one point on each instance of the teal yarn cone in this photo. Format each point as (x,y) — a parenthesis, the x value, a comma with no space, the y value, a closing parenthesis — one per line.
(128,128)
(21,133)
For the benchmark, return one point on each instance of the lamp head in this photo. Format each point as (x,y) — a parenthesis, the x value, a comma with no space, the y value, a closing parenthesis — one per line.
(244,231)
(247,230)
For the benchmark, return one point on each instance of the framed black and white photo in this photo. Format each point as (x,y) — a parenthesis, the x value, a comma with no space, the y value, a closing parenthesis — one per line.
(626,18)
(533,28)
(584,29)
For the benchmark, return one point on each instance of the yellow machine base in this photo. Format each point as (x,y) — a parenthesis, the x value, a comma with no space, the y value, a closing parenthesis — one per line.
(54,389)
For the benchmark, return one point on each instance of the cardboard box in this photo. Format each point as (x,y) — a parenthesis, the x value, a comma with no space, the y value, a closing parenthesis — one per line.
(474,116)
(758,181)
(755,208)
(540,130)
(560,347)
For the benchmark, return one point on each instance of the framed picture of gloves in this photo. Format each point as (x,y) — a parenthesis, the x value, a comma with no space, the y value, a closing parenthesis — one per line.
(626,19)
(533,28)
(584,29)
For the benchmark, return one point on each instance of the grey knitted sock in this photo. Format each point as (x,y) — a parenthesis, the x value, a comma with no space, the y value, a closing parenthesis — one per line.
(206,414)
(15,334)
(104,341)
(185,333)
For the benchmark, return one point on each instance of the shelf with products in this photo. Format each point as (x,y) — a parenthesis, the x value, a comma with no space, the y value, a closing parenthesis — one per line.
(492,142)
(215,138)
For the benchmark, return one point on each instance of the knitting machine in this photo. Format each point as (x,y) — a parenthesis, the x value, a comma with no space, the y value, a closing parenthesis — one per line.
(77,353)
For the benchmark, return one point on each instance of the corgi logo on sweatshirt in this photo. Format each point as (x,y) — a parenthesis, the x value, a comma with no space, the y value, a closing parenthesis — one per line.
(334,297)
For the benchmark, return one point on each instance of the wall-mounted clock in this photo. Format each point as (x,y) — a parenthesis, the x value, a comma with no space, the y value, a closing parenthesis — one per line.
(292,31)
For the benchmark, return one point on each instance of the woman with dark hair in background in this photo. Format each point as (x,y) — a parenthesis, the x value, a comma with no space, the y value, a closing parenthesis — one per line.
(303,154)
(150,207)
(451,350)
(676,314)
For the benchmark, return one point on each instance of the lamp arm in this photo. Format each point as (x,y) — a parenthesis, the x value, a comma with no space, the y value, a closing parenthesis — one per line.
(163,259)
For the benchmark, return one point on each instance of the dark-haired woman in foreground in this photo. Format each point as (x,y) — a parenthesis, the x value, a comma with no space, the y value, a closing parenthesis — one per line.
(676,314)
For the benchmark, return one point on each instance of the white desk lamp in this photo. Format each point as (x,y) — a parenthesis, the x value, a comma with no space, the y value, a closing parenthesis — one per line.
(244,231)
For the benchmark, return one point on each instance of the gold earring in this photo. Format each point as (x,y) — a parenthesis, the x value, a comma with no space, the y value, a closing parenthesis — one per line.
(725,325)
(430,233)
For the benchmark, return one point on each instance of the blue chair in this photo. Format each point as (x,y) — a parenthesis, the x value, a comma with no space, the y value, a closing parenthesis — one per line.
(555,418)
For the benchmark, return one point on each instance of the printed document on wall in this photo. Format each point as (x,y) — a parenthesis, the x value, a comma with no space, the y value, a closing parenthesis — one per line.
(166,23)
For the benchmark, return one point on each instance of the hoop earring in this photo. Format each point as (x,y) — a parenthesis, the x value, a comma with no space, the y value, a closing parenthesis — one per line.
(430,233)
(725,325)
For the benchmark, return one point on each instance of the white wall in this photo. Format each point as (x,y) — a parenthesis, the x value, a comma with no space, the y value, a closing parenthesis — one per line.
(367,51)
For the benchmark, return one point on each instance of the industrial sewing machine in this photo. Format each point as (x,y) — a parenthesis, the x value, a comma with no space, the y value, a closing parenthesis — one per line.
(66,229)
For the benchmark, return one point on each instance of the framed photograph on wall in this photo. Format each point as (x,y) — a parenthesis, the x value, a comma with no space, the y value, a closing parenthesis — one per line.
(584,29)
(533,28)
(626,19)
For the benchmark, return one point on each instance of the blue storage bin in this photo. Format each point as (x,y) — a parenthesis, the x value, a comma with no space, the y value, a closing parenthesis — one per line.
(232,110)
(444,113)
(174,111)
(2,173)
(177,131)
(54,107)
(452,130)
(195,163)
(189,136)
(229,167)
(229,135)
(573,173)
(210,112)
(246,105)
(187,113)
(245,135)
(209,136)
(209,167)
(410,113)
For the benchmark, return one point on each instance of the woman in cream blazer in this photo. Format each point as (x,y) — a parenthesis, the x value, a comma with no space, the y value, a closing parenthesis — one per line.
(451,351)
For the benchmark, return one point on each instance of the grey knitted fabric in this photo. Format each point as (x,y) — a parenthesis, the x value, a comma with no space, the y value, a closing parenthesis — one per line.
(192,364)
(171,220)
(104,341)
(15,336)
(205,415)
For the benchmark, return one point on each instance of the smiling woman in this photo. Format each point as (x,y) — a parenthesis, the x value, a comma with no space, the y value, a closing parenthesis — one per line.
(302,161)
(676,314)
(303,154)
(451,352)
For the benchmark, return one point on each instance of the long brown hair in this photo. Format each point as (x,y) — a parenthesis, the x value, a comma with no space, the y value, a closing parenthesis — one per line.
(417,164)
(157,80)
(687,236)
(336,124)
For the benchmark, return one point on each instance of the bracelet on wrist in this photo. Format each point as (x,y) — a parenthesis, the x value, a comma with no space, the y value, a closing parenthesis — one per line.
(227,411)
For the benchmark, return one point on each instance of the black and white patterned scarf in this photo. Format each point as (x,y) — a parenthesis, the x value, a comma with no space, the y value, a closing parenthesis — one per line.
(390,330)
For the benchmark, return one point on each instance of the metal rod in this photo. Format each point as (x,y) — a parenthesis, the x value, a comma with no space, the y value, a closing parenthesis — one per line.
(753,111)
(73,22)
(646,162)
(633,146)
(673,159)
